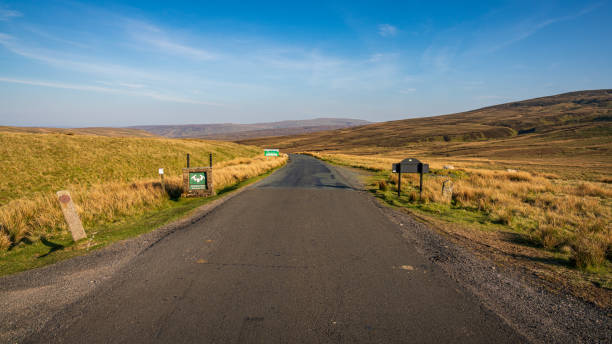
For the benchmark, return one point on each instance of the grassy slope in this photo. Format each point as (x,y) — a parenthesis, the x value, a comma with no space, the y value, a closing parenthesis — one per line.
(33,163)
(572,116)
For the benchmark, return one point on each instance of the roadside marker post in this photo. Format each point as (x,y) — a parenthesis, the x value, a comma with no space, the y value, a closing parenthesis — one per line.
(421,184)
(409,165)
(161,174)
(399,183)
(447,189)
(70,214)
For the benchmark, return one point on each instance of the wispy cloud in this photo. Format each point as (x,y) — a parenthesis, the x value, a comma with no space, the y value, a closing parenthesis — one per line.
(322,71)
(270,63)
(80,87)
(407,91)
(129,85)
(174,48)
(52,58)
(4,38)
(438,59)
(296,59)
(57,85)
(492,98)
(528,28)
(387,30)
(157,38)
(47,36)
(6,15)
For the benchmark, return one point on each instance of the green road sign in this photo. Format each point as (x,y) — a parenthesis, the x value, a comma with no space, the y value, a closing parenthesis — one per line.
(197,181)
(271,152)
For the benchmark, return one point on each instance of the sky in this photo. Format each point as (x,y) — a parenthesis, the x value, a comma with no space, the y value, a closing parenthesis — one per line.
(106,63)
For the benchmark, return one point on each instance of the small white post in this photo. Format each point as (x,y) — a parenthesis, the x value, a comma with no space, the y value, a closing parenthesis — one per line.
(161,174)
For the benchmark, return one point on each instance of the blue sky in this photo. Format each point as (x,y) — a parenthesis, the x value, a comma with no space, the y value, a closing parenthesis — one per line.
(105,63)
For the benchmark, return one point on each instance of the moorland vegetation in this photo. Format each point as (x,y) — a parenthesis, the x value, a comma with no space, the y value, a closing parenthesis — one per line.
(111,179)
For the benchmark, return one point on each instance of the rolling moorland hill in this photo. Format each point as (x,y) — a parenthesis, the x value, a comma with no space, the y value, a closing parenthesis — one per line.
(48,162)
(568,116)
(252,134)
(96,131)
(231,131)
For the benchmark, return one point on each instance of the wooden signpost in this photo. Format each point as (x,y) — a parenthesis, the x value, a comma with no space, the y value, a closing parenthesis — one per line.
(409,165)
(197,181)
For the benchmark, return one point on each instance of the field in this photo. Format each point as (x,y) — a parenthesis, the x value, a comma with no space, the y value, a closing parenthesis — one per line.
(111,179)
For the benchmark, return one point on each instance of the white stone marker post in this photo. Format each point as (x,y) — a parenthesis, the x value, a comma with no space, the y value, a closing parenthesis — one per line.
(447,190)
(71,215)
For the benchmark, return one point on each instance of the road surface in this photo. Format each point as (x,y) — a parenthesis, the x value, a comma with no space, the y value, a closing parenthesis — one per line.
(301,258)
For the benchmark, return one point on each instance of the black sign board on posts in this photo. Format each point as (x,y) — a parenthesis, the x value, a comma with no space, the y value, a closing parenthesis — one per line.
(409,165)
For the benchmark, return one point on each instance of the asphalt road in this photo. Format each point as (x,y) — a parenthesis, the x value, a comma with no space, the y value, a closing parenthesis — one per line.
(302,258)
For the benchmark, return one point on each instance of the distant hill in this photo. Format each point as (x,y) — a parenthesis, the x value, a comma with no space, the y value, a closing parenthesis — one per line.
(231,131)
(583,114)
(98,131)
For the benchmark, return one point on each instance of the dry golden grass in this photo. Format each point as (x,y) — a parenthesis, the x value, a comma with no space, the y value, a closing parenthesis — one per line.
(558,214)
(32,217)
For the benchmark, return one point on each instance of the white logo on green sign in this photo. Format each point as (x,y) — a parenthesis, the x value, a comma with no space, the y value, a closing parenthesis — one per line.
(197,180)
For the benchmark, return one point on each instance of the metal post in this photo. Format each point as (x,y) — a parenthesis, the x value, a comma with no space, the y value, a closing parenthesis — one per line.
(399,181)
(210,159)
(421,185)
(187,160)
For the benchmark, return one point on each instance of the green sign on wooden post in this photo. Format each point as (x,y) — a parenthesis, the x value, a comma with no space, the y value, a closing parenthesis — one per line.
(271,152)
(197,181)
